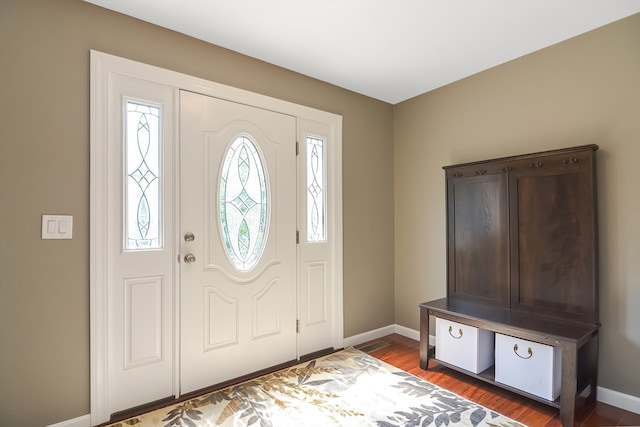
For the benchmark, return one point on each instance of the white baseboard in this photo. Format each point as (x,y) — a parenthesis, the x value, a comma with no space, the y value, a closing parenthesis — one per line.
(83,421)
(387,330)
(620,400)
(368,336)
(406,332)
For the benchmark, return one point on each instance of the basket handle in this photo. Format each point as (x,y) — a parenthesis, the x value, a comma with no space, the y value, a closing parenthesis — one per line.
(529,351)
(453,336)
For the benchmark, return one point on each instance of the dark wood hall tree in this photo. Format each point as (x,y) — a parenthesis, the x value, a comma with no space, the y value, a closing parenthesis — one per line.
(522,259)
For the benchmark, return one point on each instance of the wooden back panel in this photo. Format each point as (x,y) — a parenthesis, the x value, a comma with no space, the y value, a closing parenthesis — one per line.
(522,233)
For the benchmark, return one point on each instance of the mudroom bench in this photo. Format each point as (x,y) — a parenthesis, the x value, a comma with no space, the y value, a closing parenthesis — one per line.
(570,366)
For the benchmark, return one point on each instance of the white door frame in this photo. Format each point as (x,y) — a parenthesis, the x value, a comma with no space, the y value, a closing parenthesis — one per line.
(102,67)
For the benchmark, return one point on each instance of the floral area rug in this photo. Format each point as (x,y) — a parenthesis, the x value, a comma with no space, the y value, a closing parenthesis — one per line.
(347,388)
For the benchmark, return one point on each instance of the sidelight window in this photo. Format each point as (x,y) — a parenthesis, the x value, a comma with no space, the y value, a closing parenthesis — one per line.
(316,198)
(142,213)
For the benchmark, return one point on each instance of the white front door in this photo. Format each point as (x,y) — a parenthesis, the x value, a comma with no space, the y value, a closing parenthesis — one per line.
(238,240)
(156,322)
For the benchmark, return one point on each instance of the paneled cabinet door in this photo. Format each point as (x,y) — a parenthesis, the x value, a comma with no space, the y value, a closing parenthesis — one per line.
(552,220)
(478,237)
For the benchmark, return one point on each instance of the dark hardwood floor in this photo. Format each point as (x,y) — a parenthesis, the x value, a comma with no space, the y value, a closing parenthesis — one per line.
(404,353)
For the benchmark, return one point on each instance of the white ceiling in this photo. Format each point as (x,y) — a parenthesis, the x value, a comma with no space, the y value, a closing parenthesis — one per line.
(391,50)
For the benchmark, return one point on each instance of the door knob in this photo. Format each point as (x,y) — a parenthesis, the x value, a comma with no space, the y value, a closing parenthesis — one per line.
(189,258)
(189,237)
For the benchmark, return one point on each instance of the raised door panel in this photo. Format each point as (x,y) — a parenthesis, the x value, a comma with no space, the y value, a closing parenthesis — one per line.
(478,238)
(552,239)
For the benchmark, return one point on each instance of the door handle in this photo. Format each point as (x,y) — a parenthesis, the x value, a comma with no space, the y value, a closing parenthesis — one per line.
(189,258)
(189,237)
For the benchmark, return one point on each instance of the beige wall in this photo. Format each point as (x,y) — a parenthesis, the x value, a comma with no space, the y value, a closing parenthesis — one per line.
(582,91)
(585,90)
(44,169)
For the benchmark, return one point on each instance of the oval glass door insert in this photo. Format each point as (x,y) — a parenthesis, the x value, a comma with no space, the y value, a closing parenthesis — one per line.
(243,204)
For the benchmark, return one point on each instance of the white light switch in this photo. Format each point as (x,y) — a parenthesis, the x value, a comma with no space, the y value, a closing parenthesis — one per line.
(57,226)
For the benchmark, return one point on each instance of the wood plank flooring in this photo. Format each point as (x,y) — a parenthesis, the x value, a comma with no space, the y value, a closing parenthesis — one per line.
(404,353)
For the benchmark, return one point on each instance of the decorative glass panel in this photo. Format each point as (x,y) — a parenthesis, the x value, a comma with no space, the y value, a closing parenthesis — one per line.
(244,206)
(316,207)
(142,186)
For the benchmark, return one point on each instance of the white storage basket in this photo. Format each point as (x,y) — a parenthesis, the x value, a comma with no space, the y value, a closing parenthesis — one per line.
(528,366)
(464,346)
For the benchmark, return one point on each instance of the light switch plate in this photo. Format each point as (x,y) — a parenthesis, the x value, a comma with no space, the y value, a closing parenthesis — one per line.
(57,226)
